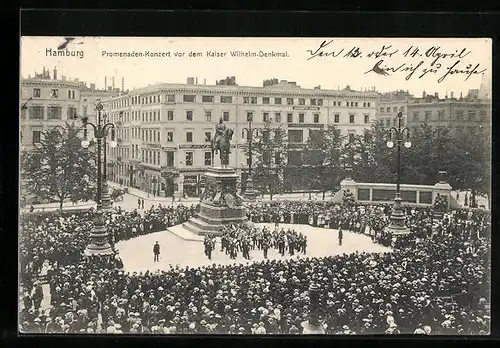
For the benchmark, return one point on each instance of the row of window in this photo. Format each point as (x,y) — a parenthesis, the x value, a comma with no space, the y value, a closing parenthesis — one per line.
(227,99)
(54,112)
(394,109)
(54,93)
(441,115)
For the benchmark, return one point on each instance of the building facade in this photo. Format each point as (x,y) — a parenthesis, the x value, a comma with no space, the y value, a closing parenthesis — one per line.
(166,130)
(49,101)
(460,116)
(389,105)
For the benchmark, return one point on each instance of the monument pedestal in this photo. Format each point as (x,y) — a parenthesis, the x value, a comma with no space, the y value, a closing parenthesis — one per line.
(220,203)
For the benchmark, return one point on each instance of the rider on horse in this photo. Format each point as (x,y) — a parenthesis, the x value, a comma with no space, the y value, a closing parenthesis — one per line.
(220,128)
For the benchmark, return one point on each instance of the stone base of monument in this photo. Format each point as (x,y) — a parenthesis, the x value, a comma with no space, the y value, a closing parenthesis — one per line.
(219,203)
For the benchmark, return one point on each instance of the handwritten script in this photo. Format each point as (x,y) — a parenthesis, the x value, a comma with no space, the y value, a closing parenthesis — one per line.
(413,62)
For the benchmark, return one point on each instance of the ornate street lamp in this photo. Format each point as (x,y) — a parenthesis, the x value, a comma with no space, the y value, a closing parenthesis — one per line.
(107,205)
(249,193)
(99,244)
(312,326)
(398,136)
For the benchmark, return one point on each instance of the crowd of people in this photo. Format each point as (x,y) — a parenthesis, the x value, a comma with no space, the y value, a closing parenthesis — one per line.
(435,282)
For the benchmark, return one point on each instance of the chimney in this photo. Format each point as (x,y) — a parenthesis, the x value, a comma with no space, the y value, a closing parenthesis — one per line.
(423,94)
(451,95)
(55,73)
(105,83)
(190,80)
(63,78)
(436,95)
(196,81)
(123,84)
(113,82)
(204,81)
(460,95)
(92,86)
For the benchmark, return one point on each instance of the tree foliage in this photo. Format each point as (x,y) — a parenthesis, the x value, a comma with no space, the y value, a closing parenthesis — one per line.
(269,154)
(58,168)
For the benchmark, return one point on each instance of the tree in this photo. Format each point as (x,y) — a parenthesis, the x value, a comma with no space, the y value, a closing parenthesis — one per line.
(59,168)
(321,158)
(269,151)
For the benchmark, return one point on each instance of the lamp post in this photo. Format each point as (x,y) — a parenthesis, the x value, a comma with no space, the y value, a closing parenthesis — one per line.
(312,326)
(99,244)
(249,193)
(397,226)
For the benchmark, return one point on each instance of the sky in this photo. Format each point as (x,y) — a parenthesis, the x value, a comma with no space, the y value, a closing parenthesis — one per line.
(437,65)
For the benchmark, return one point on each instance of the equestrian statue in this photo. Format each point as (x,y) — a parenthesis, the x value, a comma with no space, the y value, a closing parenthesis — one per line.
(221,142)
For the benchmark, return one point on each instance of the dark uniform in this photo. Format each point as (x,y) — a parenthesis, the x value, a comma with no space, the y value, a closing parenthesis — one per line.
(156,252)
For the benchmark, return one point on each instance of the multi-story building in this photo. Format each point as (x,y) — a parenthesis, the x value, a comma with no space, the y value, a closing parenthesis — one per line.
(390,104)
(166,129)
(460,116)
(50,102)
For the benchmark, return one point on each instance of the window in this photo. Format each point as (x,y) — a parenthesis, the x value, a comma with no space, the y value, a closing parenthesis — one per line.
(170,115)
(313,101)
(71,113)
(356,104)
(253,100)
(36,112)
(277,158)
(416,116)
(207,99)
(337,118)
(460,115)
(277,117)
(351,118)
(395,109)
(226,99)
(189,115)
(428,115)
(208,115)
(170,159)
(246,100)
(170,137)
(302,101)
(265,100)
(472,115)
(208,158)
(208,137)
(54,113)
(37,136)
(316,118)
(69,94)
(482,115)
(320,102)
(36,92)
(23,113)
(364,105)
(289,118)
(289,101)
(84,111)
(382,110)
(301,118)
(249,116)
(388,109)
(189,137)
(54,93)
(170,98)
(295,136)
(225,116)
(189,98)
(367,118)
(277,101)
(388,122)
(189,158)
(154,157)
(265,117)
(441,115)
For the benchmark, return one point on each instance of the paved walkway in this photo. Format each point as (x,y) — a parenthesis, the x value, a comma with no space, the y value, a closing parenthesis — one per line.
(137,253)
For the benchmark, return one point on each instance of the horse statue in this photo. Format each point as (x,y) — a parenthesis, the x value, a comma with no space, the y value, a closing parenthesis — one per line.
(222,144)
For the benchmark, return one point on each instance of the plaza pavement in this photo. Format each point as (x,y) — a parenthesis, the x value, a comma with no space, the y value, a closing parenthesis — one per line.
(137,253)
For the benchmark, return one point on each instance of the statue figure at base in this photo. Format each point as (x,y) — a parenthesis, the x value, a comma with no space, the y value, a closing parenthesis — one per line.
(221,142)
